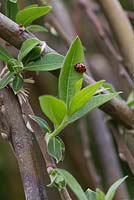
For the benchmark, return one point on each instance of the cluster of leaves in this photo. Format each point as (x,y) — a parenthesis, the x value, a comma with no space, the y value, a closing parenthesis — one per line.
(60,178)
(73,102)
(30,59)
(27,15)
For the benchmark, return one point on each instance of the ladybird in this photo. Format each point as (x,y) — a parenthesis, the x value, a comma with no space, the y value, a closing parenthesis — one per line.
(80,67)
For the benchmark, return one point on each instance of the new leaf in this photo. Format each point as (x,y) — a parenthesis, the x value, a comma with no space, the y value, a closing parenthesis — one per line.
(48,62)
(82,97)
(27,46)
(53,108)
(31,13)
(68,75)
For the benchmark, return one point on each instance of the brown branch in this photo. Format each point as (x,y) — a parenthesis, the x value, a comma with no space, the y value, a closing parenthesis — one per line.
(122,30)
(117,108)
(21,139)
(39,135)
(108,158)
(94,177)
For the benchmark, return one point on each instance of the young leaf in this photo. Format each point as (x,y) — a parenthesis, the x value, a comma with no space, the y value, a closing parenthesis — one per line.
(112,190)
(91,195)
(36,28)
(130,100)
(73,184)
(93,103)
(17,84)
(4,55)
(29,14)
(13,1)
(82,97)
(6,79)
(56,180)
(56,148)
(48,62)
(32,56)
(99,195)
(27,46)
(68,75)
(53,108)
(11,9)
(78,85)
(41,122)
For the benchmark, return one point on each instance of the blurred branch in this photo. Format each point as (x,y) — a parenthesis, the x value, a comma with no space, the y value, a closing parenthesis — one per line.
(106,152)
(116,108)
(87,154)
(122,29)
(100,30)
(123,150)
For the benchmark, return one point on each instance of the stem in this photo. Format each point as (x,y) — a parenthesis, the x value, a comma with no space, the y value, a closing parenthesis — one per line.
(60,128)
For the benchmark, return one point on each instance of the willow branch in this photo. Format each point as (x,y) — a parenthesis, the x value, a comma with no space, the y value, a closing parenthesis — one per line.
(13,128)
(116,108)
(122,30)
(39,135)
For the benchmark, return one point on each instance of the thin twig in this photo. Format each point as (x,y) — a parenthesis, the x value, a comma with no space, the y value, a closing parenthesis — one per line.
(88,155)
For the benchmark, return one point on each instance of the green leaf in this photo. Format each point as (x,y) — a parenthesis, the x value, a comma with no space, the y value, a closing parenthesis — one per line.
(11,9)
(68,76)
(78,85)
(17,84)
(57,180)
(32,56)
(6,79)
(112,190)
(29,14)
(99,194)
(82,97)
(53,108)
(48,62)
(73,184)
(13,1)
(109,87)
(56,148)
(91,195)
(130,100)
(36,28)
(93,103)
(4,55)
(41,122)
(27,46)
